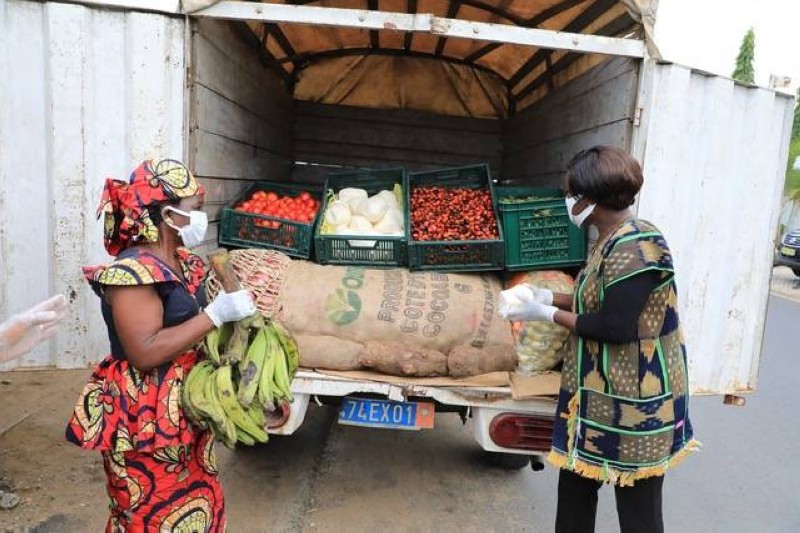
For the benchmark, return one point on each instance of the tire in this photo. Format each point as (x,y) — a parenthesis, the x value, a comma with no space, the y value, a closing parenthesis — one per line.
(506,461)
(796,272)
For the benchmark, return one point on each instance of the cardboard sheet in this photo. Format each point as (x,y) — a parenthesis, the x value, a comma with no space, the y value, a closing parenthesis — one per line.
(542,384)
(522,387)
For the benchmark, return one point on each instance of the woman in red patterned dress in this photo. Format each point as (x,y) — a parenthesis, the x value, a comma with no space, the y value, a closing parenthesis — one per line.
(161,469)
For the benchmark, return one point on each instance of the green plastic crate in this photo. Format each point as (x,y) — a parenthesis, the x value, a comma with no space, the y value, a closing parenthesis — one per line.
(372,251)
(455,256)
(242,230)
(539,234)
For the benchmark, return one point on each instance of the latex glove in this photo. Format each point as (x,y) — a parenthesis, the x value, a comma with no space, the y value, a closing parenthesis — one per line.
(230,307)
(23,331)
(525,292)
(515,309)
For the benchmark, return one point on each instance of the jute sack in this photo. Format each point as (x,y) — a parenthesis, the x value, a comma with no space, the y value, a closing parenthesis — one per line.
(431,310)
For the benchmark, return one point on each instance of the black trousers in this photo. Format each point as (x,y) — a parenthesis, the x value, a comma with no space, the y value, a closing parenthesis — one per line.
(638,507)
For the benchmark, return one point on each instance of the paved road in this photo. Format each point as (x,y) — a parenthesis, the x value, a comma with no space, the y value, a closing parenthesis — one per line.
(333,478)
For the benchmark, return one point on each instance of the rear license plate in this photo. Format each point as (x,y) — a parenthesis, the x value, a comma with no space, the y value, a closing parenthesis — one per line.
(386,414)
(788,251)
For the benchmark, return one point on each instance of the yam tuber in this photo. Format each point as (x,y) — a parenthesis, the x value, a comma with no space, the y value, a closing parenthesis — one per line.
(400,359)
(329,353)
(466,360)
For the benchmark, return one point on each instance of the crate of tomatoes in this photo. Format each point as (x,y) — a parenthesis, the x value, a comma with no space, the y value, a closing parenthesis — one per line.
(273,215)
(453,220)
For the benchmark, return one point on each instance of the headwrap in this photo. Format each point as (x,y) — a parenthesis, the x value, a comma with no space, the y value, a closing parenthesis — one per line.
(125,205)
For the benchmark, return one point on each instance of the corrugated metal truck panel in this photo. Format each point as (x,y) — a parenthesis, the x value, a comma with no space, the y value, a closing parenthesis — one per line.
(714,166)
(87,94)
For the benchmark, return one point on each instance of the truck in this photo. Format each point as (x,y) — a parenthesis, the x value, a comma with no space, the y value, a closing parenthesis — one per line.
(290,91)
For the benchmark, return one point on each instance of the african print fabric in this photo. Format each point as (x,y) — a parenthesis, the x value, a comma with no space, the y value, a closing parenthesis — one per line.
(623,409)
(125,205)
(175,489)
(161,469)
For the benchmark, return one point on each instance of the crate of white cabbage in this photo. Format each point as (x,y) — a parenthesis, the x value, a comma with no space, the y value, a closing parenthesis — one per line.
(363,219)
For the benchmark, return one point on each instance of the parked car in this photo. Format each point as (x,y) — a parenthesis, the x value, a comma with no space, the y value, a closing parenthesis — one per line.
(788,252)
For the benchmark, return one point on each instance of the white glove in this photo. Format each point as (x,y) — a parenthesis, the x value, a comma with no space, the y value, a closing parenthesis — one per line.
(526,309)
(20,333)
(230,307)
(525,292)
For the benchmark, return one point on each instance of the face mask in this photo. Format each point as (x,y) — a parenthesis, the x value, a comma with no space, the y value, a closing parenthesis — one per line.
(579,219)
(193,233)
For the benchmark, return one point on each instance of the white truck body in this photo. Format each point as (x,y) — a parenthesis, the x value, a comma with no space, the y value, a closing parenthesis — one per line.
(91,88)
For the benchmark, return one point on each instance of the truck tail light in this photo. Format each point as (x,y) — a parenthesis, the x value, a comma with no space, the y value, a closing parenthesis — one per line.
(524,432)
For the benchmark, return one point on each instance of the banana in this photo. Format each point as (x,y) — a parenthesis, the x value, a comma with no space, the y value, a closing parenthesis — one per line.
(282,379)
(215,410)
(192,386)
(225,332)
(234,411)
(246,439)
(266,393)
(257,414)
(251,367)
(289,347)
(212,346)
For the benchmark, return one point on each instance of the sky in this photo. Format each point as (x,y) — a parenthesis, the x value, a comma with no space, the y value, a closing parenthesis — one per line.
(707,34)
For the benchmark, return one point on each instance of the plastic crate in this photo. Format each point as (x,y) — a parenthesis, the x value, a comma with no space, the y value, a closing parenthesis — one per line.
(372,251)
(248,230)
(539,234)
(455,256)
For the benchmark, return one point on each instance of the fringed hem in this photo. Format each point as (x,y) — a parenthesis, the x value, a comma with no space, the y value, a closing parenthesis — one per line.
(615,476)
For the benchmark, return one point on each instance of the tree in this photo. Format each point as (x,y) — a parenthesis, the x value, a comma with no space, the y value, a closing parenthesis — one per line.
(744,70)
(796,123)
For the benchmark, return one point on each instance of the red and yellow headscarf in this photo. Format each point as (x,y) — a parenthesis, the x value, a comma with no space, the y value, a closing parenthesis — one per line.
(125,204)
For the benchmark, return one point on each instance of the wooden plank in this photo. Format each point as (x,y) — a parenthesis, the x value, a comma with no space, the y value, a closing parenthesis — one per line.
(219,157)
(580,88)
(425,23)
(258,90)
(220,193)
(218,115)
(607,103)
(369,156)
(396,137)
(553,155)
(397,116)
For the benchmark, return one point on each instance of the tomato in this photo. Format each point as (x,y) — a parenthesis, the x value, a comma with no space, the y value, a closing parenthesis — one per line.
(304,196)
(271,197)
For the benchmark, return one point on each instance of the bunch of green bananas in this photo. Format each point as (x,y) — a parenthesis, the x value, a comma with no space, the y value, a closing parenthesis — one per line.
(249,368)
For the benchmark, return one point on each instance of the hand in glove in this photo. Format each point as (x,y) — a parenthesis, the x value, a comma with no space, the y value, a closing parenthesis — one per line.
(525,292)
(230,307)
(20,333)
(519,304)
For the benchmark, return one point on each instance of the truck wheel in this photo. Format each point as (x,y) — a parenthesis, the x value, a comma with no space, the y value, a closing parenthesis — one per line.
(796,272)
(506,461)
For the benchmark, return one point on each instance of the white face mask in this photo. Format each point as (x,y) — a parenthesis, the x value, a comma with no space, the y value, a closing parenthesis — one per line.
(193,233)
(578,219)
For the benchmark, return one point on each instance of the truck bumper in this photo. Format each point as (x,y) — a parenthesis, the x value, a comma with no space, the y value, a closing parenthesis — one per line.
(484,404)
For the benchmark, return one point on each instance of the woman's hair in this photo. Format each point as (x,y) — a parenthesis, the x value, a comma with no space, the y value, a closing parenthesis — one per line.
(155,209)
(606,175)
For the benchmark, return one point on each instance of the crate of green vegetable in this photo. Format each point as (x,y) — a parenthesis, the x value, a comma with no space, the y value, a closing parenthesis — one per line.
(453,220)
(538,232)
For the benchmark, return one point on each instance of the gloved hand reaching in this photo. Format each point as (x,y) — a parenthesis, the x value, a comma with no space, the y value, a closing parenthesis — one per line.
(20,333)
(526,303)
(230,307)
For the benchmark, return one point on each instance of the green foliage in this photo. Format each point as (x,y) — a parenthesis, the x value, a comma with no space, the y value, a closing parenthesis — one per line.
(744,70)
(796,123)
(793,175)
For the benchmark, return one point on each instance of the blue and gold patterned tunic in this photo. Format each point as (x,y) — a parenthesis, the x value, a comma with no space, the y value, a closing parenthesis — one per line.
(623,409)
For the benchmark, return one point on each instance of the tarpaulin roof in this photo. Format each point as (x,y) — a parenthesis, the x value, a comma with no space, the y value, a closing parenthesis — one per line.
(446,75)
